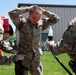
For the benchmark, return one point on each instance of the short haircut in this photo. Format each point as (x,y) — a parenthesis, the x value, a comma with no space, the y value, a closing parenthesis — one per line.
(11,32)
(36,9)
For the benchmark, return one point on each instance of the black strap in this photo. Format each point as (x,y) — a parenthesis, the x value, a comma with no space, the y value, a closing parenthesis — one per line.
(19,63)
(61,64)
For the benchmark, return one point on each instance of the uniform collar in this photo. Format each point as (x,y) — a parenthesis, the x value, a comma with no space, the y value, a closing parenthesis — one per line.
(30,23)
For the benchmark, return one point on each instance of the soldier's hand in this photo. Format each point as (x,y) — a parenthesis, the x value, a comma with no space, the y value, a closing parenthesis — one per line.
(43,10)
(49,44)
(29,8)
(21,57)
(13,51)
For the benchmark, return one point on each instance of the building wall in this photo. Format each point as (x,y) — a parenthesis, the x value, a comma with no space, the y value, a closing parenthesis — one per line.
(65,12)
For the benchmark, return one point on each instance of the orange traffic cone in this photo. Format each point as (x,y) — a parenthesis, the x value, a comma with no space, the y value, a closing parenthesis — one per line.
(1,52)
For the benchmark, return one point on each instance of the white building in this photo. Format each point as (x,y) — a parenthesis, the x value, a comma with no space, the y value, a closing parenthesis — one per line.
(65,12)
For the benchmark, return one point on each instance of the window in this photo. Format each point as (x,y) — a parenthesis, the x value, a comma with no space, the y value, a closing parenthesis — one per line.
(44,36)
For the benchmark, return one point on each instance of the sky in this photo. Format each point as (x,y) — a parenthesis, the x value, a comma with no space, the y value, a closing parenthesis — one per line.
(7,5)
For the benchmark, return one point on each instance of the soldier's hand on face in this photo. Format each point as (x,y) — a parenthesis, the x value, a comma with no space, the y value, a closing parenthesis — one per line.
(13,51)
(20,57)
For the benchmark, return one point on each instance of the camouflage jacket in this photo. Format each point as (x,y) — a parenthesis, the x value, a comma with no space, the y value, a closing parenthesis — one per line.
(30,33)
(68,41)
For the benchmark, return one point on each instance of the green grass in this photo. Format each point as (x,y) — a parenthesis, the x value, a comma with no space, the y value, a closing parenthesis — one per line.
(50,65)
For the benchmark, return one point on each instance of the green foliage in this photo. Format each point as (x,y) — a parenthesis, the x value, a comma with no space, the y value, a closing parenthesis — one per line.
(11,40)
(50,65)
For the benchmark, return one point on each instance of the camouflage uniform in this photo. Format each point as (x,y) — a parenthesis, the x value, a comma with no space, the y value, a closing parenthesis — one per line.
(5,60)
(68,41)
(29,43)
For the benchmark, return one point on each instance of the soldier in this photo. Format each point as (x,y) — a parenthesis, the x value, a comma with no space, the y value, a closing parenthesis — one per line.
(5,60)
(30,30)
(67,44)
(7,34)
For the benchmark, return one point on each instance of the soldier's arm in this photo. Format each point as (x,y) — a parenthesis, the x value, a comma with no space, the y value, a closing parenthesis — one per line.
(67,42)
(6,60)
(51,19)
(15,15)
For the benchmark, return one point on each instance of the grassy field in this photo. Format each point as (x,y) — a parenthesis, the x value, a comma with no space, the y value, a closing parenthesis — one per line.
(50,65)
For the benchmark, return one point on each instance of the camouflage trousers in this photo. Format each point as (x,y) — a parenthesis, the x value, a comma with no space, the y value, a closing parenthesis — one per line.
(31,64)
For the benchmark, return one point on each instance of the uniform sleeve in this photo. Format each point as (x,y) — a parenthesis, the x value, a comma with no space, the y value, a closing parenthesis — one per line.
(7,60)
(50,20)
(15,15)
(67,41)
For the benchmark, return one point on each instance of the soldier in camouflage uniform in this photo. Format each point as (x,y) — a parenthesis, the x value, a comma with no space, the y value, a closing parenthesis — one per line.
(6,60)
(67,44)
(30,30)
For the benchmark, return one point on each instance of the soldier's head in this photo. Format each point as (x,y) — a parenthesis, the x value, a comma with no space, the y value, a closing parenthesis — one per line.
(8,33)
(35,14)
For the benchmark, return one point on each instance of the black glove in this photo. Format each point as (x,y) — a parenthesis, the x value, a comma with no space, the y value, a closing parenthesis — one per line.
(72,64)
